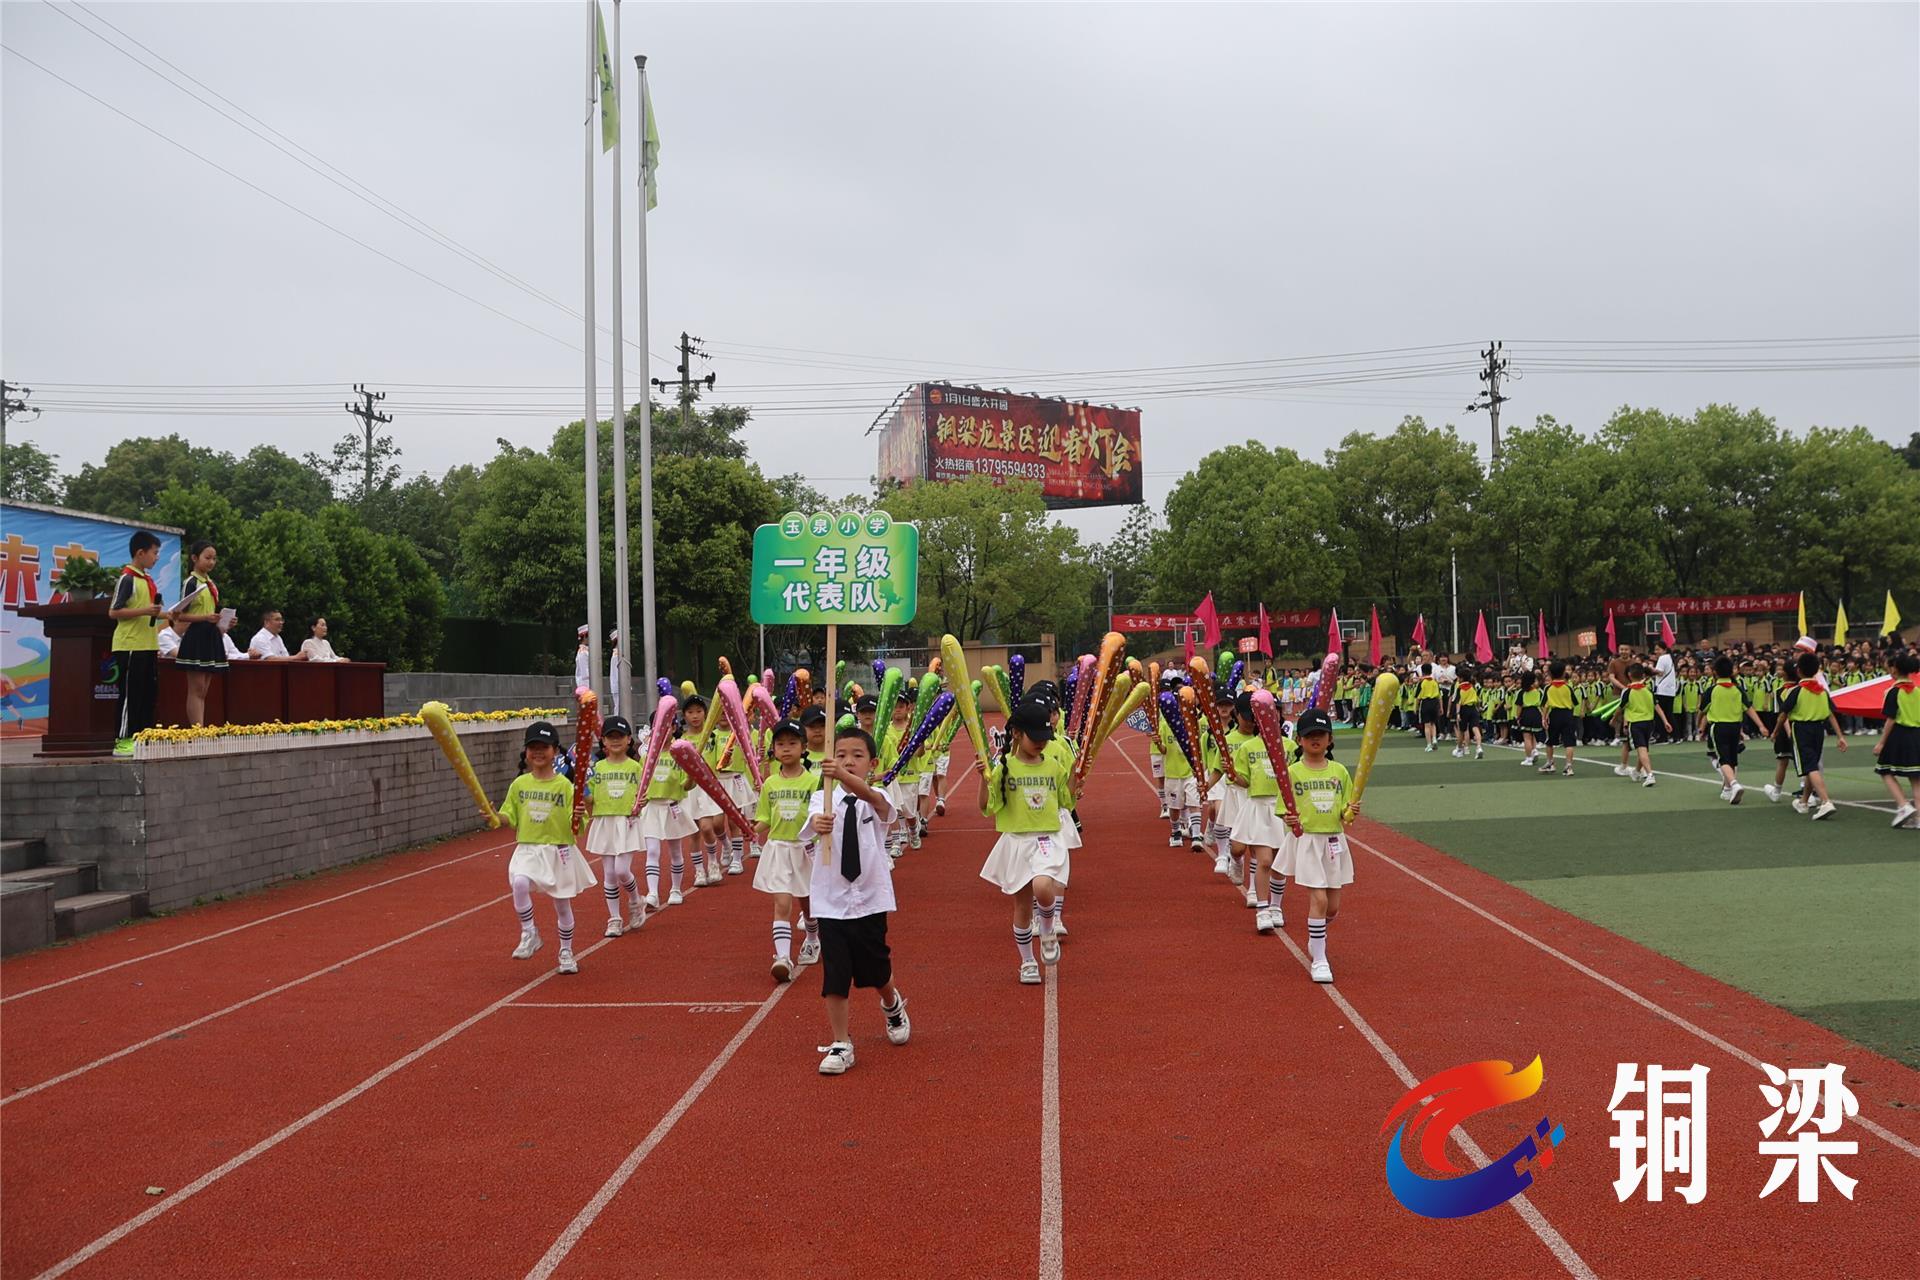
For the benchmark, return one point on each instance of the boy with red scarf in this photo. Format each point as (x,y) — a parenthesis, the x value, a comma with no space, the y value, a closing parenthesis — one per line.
(136,612)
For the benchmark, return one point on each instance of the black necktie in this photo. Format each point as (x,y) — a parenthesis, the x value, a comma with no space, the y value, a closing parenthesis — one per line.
(850,840)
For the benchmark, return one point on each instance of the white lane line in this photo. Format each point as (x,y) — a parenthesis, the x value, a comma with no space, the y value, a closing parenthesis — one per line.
(729,1006)
(267,1144)
(239,928)
(557,1252)
(1692,1028)
(1536,1221)
(1052,1243)
(1694,777)
(185,1027)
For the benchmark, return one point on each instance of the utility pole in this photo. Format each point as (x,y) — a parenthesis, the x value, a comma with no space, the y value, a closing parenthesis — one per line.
(369,419)
(689,348)
(1491,399)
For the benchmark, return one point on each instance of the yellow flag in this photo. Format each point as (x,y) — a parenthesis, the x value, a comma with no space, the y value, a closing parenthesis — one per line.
(609,89)
(1892,615)
(1803,613)
(1840,625)
(649,145)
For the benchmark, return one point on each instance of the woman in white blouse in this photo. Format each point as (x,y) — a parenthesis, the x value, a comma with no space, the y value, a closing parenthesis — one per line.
(316,648)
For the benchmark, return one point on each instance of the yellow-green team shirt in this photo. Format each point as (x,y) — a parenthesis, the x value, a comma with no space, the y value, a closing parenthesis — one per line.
(1256,767)
(1559,695)
(1176,766)
(890,752)
(670,781)
(539,810)
(783,803)
(1234,740)
(1322,795)
(1024,798)
(612,786)
(1639,701)
(1726,703)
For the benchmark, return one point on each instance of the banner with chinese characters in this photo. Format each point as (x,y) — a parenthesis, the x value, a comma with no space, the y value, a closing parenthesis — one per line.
(35,544)
(858,568)
(1081,455)
(1765,602)
(1280,620)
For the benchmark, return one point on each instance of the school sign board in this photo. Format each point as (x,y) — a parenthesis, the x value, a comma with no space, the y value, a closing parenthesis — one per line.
(36,542)
(849,568)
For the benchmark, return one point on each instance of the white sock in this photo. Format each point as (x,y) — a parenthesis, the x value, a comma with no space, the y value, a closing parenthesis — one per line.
(1317,940)
(1221,841)
(783,939)
(1045,914)
(1276,889)
(1023,939)
(738,845)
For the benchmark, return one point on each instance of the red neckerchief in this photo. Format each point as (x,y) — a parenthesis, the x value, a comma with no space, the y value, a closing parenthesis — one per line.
(153,588)
(1724,684)
(1815,685)
(212,591)
(1907,686)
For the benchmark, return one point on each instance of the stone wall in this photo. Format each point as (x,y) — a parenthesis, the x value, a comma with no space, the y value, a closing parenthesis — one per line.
(469,691)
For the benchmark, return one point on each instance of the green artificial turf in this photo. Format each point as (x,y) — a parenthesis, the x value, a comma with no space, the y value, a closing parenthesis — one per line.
(1821,918)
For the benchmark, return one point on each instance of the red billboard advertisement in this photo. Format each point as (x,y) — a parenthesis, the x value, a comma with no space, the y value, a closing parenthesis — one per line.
(1285,619)
(1081,455)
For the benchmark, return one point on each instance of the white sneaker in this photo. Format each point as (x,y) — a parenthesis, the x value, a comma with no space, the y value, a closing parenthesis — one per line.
(1735,792)
(529,943)
(1621,771)
(651,902)
(1429,746)
(1459,753)
(1826,810)
(1773,793)
(839,1058)
(737,867)
(1525,761)
(1646,779)
(1164,815)
(1194,840)
(1546,766)
(1060,928)
(636,917)
(675,898)
(1221,865)
(1901,814)
(1263,923)
(614,927)
(1173,840)
(567,963)
(940,809)
(1321,971)
(809,952)
(1030,974)
(782,968)
(1237,869)
(1567,772)
(1478,752)
(916,837)
(1049,949)
(1726,792)
(1799,806)
(1253,902)
(1279,917)
(899,1026)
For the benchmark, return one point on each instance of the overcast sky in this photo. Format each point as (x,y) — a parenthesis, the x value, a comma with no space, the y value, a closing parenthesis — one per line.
(1013,194)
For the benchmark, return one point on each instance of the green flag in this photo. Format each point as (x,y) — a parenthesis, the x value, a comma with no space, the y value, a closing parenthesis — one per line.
(649,144)
(609,91)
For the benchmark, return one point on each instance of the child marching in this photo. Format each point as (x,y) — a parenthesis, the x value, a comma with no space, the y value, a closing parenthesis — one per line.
(1897,753)
(665,823)
(1257,823)
(1318,858)
(787,851)
(1023,793)
(539,806)
(613,834)
(1727,707)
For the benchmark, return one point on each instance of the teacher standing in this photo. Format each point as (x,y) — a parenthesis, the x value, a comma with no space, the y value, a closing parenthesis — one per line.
(196,618)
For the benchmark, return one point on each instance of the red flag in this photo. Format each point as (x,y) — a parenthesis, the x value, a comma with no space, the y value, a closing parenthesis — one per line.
(1187,632)
(1666,632)
(1209,619)
(1482,645)
(1263,630)
(1613,645)
(1373,638)
(1420,632)
(1543,635)
(1333,632)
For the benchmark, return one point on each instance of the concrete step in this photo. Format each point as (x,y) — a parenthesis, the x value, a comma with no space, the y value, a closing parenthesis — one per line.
(26,916)
(69,879)
(18,855)
(91,912)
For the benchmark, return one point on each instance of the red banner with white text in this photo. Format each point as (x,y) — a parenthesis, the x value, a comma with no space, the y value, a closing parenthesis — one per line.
(1764,602)
(1279,621)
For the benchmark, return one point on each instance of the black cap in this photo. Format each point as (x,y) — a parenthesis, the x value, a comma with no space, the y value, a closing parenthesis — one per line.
(1044,689)
(812,716)
(792,727)
(1313,720)
(616,727)
(540,731)
(1034,718)
(694,700)
(867,702)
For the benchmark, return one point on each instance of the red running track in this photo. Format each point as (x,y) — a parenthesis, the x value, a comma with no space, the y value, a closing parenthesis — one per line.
(347,1076)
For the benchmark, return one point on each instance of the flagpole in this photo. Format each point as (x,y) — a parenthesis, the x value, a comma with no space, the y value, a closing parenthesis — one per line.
(647,622)
(622,611)
(595,679)
(1456,589)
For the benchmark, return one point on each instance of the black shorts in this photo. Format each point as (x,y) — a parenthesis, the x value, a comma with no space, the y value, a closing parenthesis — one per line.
(1560,727)
(1429,711)
(1725,741)
(853,953)
(1809,741)
(1640,732)
(1469,717)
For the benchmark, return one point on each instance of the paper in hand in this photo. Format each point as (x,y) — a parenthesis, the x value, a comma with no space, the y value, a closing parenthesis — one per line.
(227,618)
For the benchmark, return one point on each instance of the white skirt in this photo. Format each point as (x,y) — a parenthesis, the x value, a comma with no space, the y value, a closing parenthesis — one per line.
(553,874)
(740,787)
(1233,801)
(1319,861)
(1259,823)
(1017,859)
(1069,830)
(1217,793)
(613,835)
(699,804)
(785,867)
(1180,793)
(665,820)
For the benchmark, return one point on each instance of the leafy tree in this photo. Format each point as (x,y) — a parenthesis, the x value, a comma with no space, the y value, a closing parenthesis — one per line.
(1131,556)
(704,433)
(361,468)
(425,513)
(370,617)
(1249,524)
(267,479)
(28,474)
(705,511)
(1844,519)
(1910,453)
(294,567)
(242,572)
(521,554)
(423,601)
(130,479)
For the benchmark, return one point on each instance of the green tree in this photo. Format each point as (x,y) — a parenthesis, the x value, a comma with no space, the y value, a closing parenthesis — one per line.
(521,554)
(705,511)
(424,512)
(369,618)
(1844,519)
(293,567)
(993,562)
(28,474)
(130,479)
(1249,524)
(267,479)
(423,601)
(205,514)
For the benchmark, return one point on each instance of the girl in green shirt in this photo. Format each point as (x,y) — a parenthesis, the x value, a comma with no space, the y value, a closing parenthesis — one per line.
(1024,793)
(786,850)
(539,807)
(613,833)
(665,821)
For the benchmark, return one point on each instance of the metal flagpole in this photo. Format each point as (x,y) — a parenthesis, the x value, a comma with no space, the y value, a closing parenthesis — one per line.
(595,680)
(651,652)
(622,691)
(1456,596)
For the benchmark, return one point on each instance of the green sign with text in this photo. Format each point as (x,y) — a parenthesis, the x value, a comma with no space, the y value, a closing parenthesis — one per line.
(856,568)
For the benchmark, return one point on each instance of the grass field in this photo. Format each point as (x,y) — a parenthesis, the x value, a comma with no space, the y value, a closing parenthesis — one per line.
(1822,919)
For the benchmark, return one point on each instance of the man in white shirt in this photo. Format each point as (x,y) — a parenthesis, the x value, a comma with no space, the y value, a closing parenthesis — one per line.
(582,663)
(1666,684)
(169,642)
(266,643)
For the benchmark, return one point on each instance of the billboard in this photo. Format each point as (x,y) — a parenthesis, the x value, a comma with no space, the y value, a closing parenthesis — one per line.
(35,543)
(1081,455)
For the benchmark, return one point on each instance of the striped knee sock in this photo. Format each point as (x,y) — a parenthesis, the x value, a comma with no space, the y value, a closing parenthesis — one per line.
(1045,914)
(1276,886)
(813,931)
(1023,939)
(783,939)
(1222,844)
(632,886)
(653,879)
(1060,904)
(1317,940)
(678,867)
(526,918)
(738,846)
(699,862)
(612,891)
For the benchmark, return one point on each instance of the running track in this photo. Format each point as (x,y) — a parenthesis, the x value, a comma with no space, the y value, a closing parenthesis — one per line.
(347,1076)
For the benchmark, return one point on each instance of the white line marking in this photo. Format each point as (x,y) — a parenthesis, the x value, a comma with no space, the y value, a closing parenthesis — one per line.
(1601,978)
(1694,777)
(732,1006)
(558,1251)
(278,915)
(1568,1256)
(1052,1245)
(265,1145)
(184,1027)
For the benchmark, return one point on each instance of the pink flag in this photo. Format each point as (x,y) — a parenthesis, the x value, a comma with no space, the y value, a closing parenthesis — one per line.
(1420,632)
(1543,635)
(1482,645)
(1333,632)
(1264,632)
(1613,645)
(1373,638)
(1187,656)
(1209,619)
(1666,632)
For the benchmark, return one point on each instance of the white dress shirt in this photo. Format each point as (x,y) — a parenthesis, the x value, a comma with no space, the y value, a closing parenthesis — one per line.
(169,641)
(233,650)
(316,650)
(833,896)
(1666,683)
(267,644)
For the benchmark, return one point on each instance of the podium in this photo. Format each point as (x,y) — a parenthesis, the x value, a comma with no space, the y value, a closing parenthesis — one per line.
(83,691)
